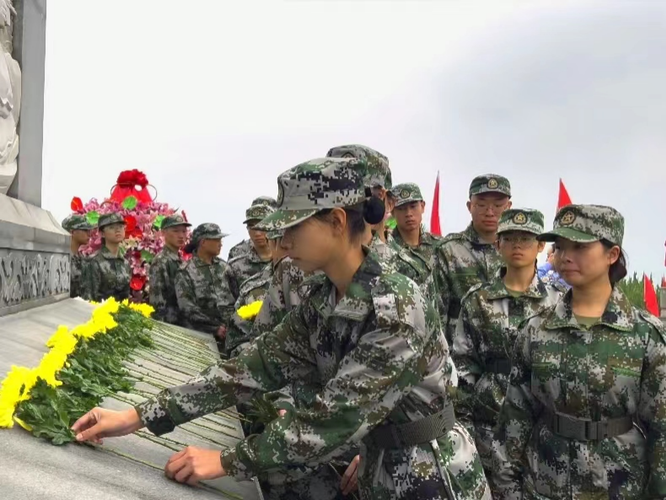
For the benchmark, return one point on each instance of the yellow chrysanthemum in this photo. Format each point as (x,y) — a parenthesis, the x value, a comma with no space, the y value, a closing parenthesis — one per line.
(62,340)
(250,311)
(52,362)
(145,309)
(15,388)
(85,330)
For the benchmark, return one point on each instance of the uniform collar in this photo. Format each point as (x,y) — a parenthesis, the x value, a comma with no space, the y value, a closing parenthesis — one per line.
(498,290)
(472,236)
(200,263)
(425,238)
(357,301)
(618,314)
(106,253)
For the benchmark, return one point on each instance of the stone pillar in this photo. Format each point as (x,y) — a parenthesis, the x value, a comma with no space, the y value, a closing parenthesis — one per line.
(661,295)
(34,248)
(30,52)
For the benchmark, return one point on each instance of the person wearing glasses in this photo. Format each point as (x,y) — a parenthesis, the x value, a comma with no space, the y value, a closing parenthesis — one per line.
(465,259)
(491,315)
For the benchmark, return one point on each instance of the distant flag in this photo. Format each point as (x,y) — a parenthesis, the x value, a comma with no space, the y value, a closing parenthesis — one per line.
(434,216)
(650,296)
(563,198)
(663,281)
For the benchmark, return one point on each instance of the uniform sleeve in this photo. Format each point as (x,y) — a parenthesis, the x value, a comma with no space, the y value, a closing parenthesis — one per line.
(515,423)
(239,331)
(228,295)
(465,354)
(443,282)
(652,413)
(158,279)
(187,304)
(91,282)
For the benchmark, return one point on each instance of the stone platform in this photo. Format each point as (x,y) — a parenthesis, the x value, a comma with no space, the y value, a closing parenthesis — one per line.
(33,469)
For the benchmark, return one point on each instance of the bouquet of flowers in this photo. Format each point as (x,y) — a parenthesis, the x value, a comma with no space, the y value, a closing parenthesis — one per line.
(143,215)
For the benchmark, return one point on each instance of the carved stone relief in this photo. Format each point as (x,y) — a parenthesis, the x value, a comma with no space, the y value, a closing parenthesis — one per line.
(26,276)
(10,98)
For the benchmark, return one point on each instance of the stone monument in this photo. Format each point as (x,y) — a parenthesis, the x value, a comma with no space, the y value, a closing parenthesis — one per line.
(34,249)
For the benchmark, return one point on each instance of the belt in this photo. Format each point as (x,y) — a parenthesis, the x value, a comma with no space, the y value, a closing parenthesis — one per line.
(389,436)
(499,365)
(582,429)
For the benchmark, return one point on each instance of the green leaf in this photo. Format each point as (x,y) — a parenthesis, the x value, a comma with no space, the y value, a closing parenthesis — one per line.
(130,203)
(158,221)
(147,256)
(391,223)
(92,217)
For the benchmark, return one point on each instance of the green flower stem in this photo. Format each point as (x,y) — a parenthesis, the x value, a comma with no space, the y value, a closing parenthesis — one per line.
(195,352)
(171,361)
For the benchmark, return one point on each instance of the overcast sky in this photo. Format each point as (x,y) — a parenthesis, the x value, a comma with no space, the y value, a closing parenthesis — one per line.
(213,99)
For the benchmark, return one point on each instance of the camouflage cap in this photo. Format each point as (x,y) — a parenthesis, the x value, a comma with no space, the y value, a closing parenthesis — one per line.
(173,221)
(257,212)
(108,219)
(587,223)
(76,221)
(375,166)
(264,200)
(521,219)
(314,186)
(406,193)
(274,235)
(207,231)
(490,183)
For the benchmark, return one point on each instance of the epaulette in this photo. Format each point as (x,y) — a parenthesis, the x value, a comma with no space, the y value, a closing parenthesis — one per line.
(236,258)
(654,321)
(472,289)
(453,237)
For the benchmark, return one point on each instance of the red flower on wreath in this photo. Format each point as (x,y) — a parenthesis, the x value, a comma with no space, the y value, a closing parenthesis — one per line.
(76,205)
(137,282)
(131,178)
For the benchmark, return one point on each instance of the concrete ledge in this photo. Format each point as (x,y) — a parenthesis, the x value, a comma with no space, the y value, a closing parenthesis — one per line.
(34,257)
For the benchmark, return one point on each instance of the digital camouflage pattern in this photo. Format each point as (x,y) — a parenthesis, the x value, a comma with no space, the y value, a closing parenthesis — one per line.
(370,359)
(490,183)
(199,294)
(264,200)
(407,192)
(527,220)
(239,331)
(207,231)
(314,186)
(239,269)
(462,260)
(241,248)
(76,222)
(257,213)
(374,165)
(162,279)
(108,219)
(76,263)
(174,220)
(615,368)
(286,291)
(427,248)
(105,276)
(490,319)
(587,223)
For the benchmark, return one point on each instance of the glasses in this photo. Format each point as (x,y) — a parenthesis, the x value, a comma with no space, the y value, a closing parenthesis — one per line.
(484,207)
(518,240)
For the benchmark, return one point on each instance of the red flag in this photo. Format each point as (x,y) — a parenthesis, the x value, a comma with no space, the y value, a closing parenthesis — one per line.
(434,216)
(563,198)
(650,296)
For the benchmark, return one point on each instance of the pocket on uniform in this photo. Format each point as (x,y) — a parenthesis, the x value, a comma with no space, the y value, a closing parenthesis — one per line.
(626,366)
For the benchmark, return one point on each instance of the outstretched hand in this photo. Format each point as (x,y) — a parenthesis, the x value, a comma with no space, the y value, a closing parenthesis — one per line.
(99,423)
(193,465)
(350,477)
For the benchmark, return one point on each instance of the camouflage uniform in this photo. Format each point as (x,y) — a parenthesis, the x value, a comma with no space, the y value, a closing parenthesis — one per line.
(245,246)
(199,286)
(490,319)
(407,193)
(241,268)
(76,260)
(239,333)
(462,260)
(373,358)
(162,277)
(606,381)
(104,275)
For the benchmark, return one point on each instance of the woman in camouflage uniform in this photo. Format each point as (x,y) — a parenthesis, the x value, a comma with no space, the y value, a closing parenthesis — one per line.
(490,318)
(585,411)
(107,273)
(199,282)
(371,366)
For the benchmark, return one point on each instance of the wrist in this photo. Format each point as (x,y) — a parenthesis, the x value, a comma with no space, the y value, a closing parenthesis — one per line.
(133,420)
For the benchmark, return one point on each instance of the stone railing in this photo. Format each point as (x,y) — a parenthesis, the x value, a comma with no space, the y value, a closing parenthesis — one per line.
(662,303)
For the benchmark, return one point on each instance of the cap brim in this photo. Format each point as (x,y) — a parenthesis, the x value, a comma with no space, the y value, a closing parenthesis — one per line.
(496,191)
(283,219)
(404,202)
(216,236)
(111,224)
(568,234)
(518,229)
(251,219)
(186,224)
